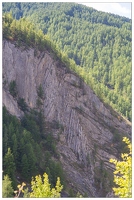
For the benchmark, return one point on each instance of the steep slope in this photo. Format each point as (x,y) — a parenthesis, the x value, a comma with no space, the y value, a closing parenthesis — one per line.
(99,42)
(92,132)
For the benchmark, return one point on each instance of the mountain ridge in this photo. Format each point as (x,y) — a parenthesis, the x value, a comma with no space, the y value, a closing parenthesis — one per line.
(97,42)
(40,78)
(20,8)
(90,130)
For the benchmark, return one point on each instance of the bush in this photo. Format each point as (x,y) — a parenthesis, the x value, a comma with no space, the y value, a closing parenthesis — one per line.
(22,104)
(13,88)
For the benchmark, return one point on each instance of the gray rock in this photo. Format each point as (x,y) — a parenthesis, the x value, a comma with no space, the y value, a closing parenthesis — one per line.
(89,126)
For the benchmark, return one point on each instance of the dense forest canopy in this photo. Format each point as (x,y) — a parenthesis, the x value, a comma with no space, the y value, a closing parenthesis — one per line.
(28,149)
(98,42)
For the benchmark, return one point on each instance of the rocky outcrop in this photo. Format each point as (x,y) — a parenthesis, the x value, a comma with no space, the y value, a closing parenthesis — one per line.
(11,104)
(88,140)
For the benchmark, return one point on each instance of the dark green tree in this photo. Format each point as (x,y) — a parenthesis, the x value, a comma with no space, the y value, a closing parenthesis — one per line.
(13,88)
(40,92)
(31,159)
(9,166)
(25,167)
(22,104)
(5,139)
(14,147)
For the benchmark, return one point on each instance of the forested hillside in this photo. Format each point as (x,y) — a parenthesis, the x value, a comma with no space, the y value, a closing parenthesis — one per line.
(28,148)
(98,42)
(55,102)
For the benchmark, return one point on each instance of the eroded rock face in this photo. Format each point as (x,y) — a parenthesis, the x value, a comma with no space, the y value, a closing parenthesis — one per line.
(11,104)
(89,126)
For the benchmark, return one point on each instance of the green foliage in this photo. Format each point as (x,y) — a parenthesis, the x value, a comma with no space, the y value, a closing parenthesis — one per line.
(104,59)
(7,190)
(50,143)
(101,44)
(5,139)
(79,195)
(25,167)
(71,193)
(55,170)
(39,103)
(41,122)
(40,97)
(14,145)
(40,91)
(123,173)
(103,179)
(9,166)
(41,188)
(31,159)
(31,148)
(26,193)
(70,10)
(22,104)
(13,88)
(30,124)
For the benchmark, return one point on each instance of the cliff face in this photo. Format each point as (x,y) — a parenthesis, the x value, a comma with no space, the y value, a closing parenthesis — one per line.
(87,142)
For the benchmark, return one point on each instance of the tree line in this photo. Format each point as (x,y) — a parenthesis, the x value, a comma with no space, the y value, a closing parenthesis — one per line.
(99,43)
(116,93)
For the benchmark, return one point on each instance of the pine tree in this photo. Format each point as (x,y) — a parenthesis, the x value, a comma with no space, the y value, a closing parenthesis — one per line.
(5,139)
(31,159)
(9,166)
(25,167)
(14,146)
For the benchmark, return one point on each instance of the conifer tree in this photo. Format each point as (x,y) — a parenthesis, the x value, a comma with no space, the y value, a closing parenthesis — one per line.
(25,167)
(9,166)
(5,139)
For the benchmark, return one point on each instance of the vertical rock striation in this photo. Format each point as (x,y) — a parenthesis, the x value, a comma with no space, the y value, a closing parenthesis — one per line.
(89,125)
